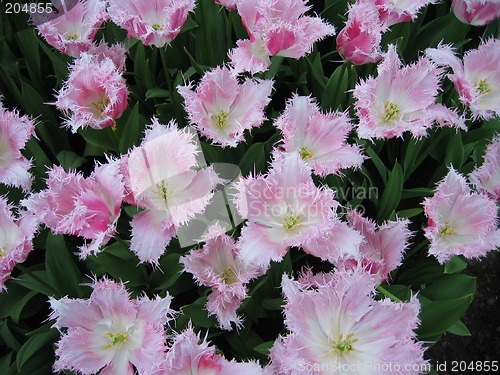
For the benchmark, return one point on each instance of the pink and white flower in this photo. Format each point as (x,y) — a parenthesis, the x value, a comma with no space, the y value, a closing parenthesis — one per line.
(476,12)
(87,207)
(217,265)
(334,320)
(460,222)
(486,178)
(163,179)
(95,93)
(153,22)
(191,355)
(73,28)
(284,208)
(15,131)
(229,4)
(109,332)
(320,139)
(337,244)
(222,109)
(401,99)
(395,11)
(16,240)
(116,52)
(359,41)
(276,27)
(383,246)
(477,79)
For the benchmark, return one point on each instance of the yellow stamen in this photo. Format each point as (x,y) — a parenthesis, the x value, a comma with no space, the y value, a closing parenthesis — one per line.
(117,338)
(291,221)
(221,119)
(305,153)
(391,111)
(158,27)
(2,252)
(482,87)
(228,276)
(72,37)
(448,229)
(101,104)
(162,190)
(342,346)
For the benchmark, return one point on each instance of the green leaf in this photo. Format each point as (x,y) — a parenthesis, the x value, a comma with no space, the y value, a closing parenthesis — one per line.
(410,212)
(62,272)
(198,314)
(379,164)
(273,303)
(392,193)
(426,270)
(264,347)
(454,265)
(450,286)
(334,94)
(33,345)
(131,130)
(254,159)
(70,160)
(437,316)
(169,272)
(459,329)
(455,151)
(157,93)
(102,138)
(15,301)
(402,292)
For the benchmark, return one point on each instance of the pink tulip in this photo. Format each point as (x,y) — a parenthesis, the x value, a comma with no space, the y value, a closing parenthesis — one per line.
(476,12)
(153,22)
(95,93)
(15,131)
(109,332)
(73,31)
(401,99)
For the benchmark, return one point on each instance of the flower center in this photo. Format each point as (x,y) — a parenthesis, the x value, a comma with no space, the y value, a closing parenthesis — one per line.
(3,251)
(221,119)
(117,338)
(343,346)
(391,111)
(305,153)
(158,27)
(482,87)
(100,105)
(162,190)
(448,229)
(228,276)
(291,221)
(72,37)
